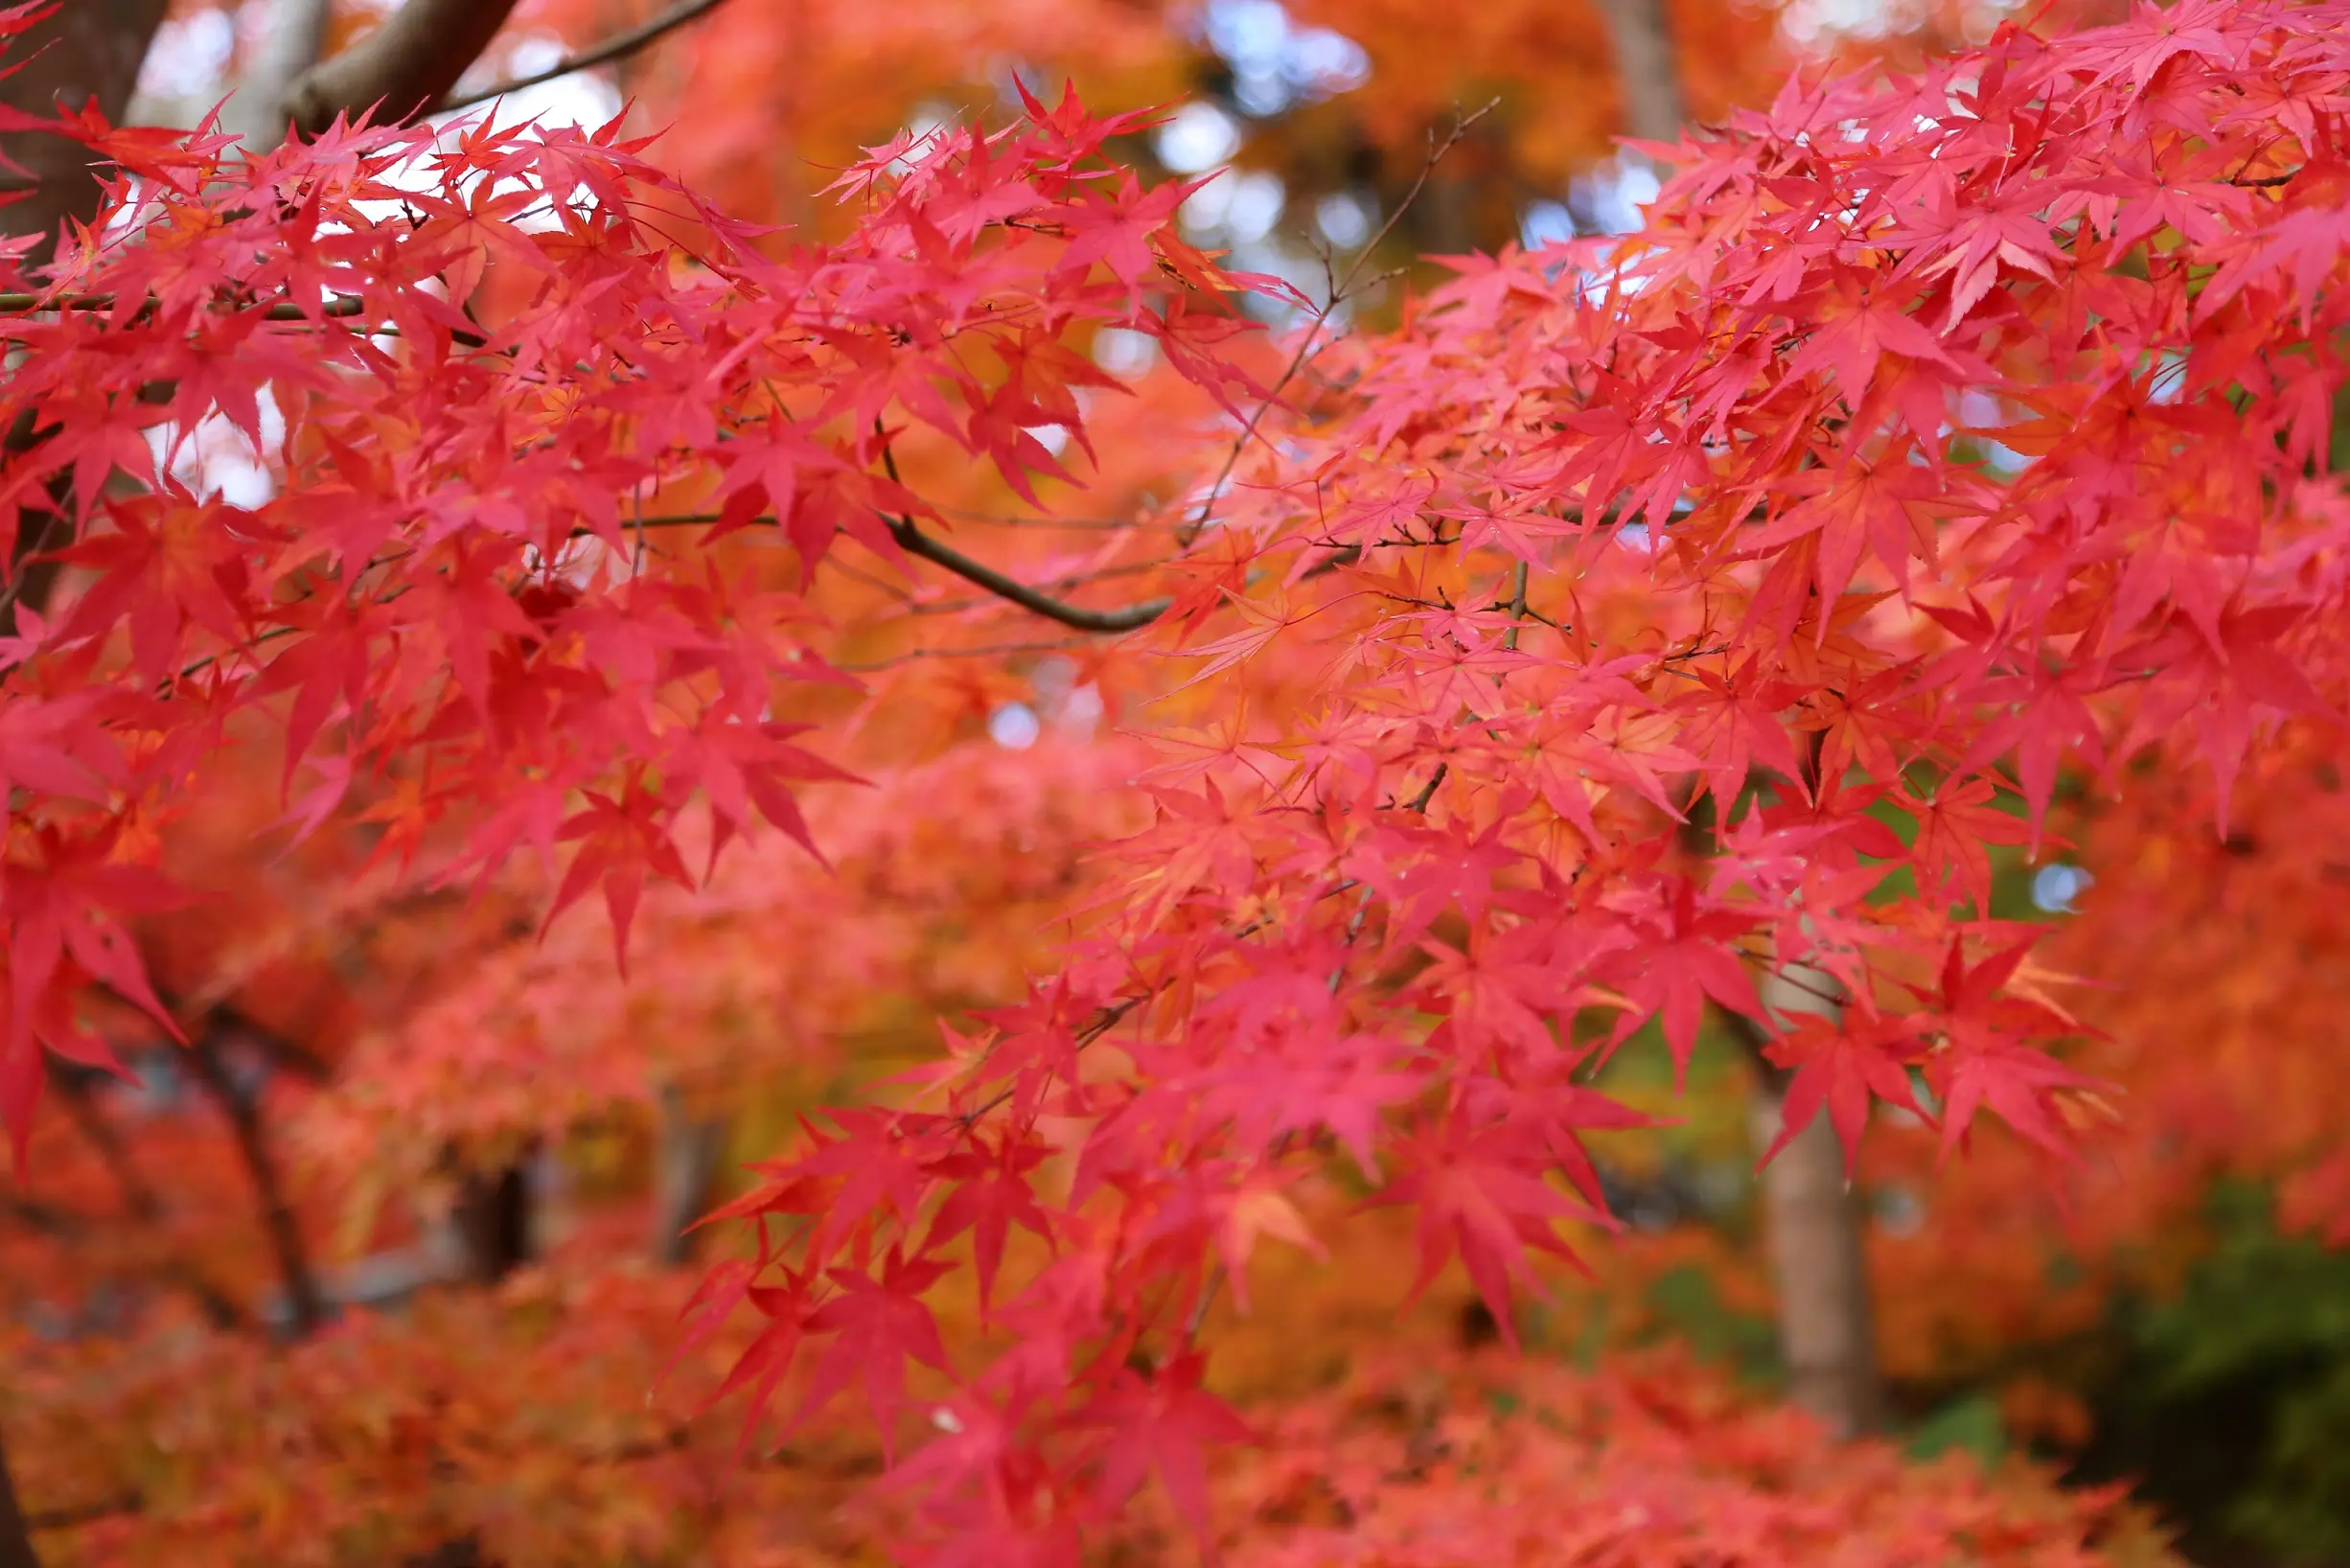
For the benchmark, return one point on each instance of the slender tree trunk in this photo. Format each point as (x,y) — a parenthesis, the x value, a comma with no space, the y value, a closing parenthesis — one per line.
(1648,68)
(685,1168)
(1813,1229)
(1814,1225)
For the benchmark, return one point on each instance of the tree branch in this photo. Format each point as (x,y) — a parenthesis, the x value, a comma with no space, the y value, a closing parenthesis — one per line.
(1419,802)
(402,69)
(914,541)
(616,47)
(23,304)
(303,1297)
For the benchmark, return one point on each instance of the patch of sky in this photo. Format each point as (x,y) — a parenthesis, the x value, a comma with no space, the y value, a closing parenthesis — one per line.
(1277,65)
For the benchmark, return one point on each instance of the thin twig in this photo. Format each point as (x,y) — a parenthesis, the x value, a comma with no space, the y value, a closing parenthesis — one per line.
(617,46)
(1102,1022)
(1419,802)
(1338,297)
(1517,609)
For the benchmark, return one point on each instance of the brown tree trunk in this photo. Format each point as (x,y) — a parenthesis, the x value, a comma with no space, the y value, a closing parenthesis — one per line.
(15,1534)
(492,1224)
(85,50)
(400,69)
(684,1169)
(1813,1228)
(1648,69)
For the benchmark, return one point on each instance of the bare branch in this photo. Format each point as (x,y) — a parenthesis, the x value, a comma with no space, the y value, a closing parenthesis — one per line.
(1079,579)
(402,69)
(1419,802)
(1518,606)
(22,304)
(914,541)
(618,46)
(1338,297)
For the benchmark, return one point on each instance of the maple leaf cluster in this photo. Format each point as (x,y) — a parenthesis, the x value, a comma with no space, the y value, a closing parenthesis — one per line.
(464,593)
(1937,433)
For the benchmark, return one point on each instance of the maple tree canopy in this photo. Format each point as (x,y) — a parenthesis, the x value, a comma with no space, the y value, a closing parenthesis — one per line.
(1553,658)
